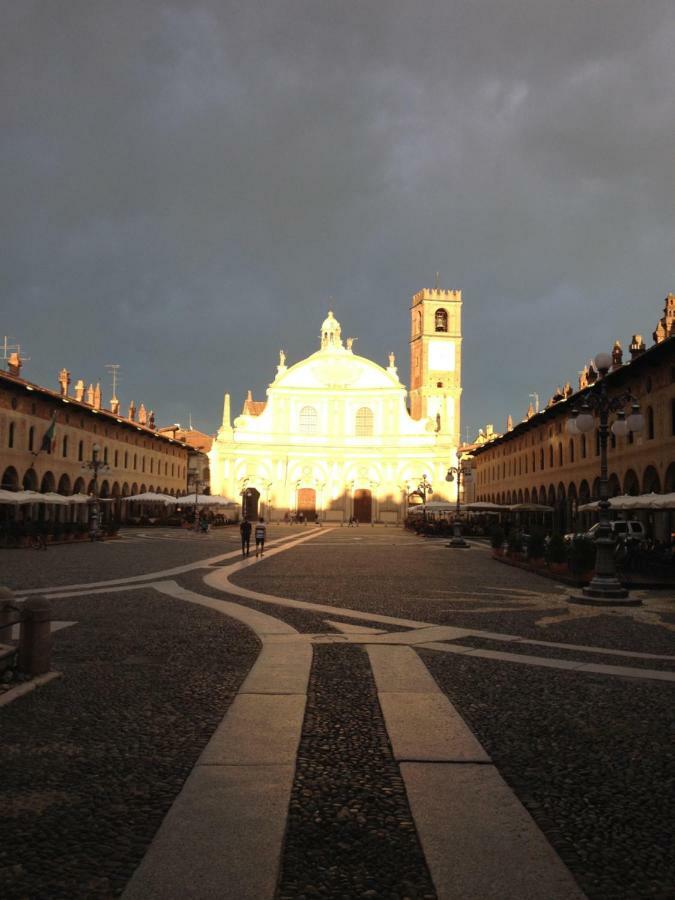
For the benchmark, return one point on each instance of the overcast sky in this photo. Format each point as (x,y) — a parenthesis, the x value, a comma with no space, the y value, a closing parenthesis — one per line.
(186,185)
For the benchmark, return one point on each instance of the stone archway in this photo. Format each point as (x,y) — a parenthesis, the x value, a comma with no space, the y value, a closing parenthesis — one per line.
(47,484)
(631,483)
(306,503)
(250,501)
(64,486)
(10,479)
(669,480)
(651,483)
(363,505)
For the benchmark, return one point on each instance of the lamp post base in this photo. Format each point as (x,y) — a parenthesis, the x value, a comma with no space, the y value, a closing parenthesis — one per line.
(457,540)
(605,592)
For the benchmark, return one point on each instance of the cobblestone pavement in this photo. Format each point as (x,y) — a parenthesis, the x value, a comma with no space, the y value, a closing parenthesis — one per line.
(392,572)
(92,762)
(147,678)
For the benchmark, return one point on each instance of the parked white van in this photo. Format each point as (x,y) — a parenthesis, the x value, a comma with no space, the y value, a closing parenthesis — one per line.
(622,529)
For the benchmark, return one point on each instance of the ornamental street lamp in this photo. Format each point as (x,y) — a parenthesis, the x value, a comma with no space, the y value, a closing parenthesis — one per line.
(605,588)
(464,473)
(424,488)
(94,464)
(197,484)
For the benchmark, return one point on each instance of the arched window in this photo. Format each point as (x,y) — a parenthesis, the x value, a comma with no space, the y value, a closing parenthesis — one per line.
(583,446)
(65,446)
(541,458)
(31,438)
(80,451)
(105,455)
(560,455)
(117,458)
(650,423)
(364,421)
(309,420)
(10,436)
(441,320)
(135,462)
(571,450)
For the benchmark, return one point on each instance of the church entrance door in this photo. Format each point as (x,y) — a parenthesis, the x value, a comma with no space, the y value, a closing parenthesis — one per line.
(250,504)
(363,505)
(307,503)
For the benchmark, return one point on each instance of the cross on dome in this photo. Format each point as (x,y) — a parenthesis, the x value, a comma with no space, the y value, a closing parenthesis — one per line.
(330,332)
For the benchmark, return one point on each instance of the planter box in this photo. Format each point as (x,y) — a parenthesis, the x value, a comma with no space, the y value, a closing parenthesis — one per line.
(558,568)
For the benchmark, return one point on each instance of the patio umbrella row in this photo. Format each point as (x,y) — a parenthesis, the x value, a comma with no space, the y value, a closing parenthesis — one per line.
(23,498)
(627,502)
(478,506)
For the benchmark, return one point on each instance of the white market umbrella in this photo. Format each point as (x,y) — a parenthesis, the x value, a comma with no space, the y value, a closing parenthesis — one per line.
(485,506)
(9,497)
(52,498)
(21,498)
(529,507)
(662,501)
(623,501)
(207,500)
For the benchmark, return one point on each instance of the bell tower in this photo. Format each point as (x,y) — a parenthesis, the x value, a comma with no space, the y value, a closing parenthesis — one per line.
(436,359)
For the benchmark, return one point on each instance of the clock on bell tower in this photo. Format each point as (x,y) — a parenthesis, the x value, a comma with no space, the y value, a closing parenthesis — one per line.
(436,359)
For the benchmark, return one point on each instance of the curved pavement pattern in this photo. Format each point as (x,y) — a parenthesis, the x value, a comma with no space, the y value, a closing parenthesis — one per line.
(223,837)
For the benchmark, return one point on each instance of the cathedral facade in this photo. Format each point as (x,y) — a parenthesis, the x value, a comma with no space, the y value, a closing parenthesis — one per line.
(339,436)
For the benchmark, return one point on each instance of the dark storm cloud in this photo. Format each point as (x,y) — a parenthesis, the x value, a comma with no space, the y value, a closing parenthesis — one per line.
(185,186)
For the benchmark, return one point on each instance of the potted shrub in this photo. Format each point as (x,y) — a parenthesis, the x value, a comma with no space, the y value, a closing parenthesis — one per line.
(556,555)
(536,547)
(497,537)
(514,544)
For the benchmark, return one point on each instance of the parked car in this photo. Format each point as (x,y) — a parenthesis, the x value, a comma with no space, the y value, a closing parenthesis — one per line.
(622,529)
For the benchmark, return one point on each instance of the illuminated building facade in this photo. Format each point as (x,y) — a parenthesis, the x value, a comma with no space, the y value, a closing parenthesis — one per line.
(335,438)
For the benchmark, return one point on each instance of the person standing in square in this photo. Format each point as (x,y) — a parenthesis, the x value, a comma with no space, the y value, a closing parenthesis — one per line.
(260,533)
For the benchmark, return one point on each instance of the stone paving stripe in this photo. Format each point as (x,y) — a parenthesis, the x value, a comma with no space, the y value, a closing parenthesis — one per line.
(479,841)
(258,622)
(348,628)
(27,686)
(221,840)
(398,669)
(223,836)
(425,726)
(422,635)
(178,570)
(221,581)
(258,730)
(606,651)
(544,662)
(281,668)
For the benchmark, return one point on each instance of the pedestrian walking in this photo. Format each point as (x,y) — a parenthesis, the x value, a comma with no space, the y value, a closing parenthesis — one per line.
(260,533)
(245,529)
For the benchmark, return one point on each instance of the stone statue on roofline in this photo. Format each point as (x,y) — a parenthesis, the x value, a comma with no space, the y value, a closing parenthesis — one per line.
(142,415)
(132,411)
